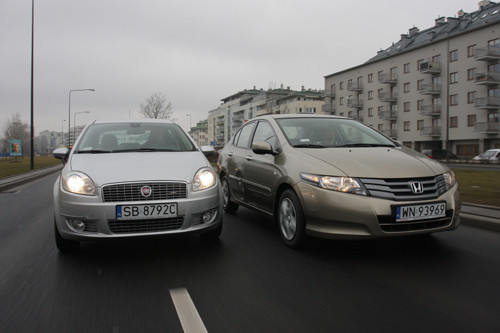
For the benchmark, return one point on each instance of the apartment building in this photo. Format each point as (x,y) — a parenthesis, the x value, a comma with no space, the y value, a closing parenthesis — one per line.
(244,105)
(199,133)
(435,88)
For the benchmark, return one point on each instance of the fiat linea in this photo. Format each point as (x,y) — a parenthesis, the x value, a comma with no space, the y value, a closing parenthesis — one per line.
(132,179)
(334,177)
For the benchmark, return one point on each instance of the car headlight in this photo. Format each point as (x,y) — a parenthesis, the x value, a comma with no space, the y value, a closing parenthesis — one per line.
(79,183)
(449,179)
(340,184)
(204,178)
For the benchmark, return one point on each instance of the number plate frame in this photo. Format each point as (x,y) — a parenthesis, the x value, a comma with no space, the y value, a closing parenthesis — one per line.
(418,212)
(145,212)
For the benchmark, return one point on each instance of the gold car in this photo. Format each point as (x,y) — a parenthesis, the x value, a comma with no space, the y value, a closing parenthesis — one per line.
(334,177)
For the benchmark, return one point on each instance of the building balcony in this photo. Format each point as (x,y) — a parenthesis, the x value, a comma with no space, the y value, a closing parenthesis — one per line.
(430,67)
(328,109)
(354,103)
(219,121)
(487,127)
(388,78)
(388,115)
(489,53)
(355,86)
(487,103)
(388,97)
(392,133)
(431,110)
(431,89)
(488,78)
(431,131)
(331,93)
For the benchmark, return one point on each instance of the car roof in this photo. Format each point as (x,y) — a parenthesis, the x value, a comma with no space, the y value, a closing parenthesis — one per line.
(288,116)
(127,121)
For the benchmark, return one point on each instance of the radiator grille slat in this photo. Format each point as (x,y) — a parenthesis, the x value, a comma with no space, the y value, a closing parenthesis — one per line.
(132,191)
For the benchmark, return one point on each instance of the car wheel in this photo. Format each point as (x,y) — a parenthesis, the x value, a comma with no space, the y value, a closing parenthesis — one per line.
(291,219)
(228,205)
(212,234)
(63,244)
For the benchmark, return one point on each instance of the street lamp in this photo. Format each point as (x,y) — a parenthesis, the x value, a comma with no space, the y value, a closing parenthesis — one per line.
(74,123)
(69,113)
(62,131)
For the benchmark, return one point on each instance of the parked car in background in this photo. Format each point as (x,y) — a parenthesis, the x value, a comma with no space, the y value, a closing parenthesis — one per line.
(132,179)
(439,154)
(334,177)
(489,155)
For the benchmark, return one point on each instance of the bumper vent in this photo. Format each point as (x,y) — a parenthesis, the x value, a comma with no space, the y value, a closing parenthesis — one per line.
(145,226)
(389,224)
(132,192)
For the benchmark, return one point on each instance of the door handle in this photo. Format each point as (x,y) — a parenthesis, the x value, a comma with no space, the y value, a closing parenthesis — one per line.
(248,157)
(230,153)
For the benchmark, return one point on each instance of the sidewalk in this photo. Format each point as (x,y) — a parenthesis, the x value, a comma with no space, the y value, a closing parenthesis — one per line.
(478,216)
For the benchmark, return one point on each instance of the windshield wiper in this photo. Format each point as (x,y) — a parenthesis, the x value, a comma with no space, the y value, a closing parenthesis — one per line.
(94,151)
(309,145)
(142,150)
(365,145)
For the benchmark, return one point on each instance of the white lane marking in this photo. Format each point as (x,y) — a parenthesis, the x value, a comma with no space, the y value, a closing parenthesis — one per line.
(188,315)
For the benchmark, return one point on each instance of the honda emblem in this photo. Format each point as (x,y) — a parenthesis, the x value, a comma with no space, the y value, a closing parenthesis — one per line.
(417,187)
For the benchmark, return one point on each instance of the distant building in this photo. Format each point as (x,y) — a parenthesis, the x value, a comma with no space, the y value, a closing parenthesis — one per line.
(199,133)
(436,88)
(244,105)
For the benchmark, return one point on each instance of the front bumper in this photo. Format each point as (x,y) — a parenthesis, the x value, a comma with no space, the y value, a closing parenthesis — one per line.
(101,222)
(331,214)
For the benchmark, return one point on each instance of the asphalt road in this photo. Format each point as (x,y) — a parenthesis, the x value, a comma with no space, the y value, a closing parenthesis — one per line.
(246,282)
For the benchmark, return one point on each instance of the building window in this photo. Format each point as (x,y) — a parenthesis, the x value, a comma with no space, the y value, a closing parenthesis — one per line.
(419,63)
(453,78)
(380,127)
(453,122)
(436,58)
(420,125)
(471,120)
(341,101)
(406,68)
(370,94)
(341,114)
(379,74)
(420,104)
(406,126)
(349,114)
(406,106)
(471,50)
(370,112)
(379,110)
(494,42)
(370,78)
(471,149)
(471,72)
(341,85)
(406,87)
(454,99)
(471,97)
(420,84)
(453,55)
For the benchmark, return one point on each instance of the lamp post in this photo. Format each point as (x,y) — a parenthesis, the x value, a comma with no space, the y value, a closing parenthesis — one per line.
(62,131)
(69,113)
(74,123)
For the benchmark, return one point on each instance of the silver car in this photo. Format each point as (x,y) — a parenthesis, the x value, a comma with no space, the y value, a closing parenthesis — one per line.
(134,178)
(334,177)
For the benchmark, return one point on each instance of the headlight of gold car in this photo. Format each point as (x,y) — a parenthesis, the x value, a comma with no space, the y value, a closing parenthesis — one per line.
(340,184)
(204,178)
(449,179)
(79,183)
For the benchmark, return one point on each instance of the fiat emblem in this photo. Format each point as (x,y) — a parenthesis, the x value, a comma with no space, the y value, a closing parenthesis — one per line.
(146,191)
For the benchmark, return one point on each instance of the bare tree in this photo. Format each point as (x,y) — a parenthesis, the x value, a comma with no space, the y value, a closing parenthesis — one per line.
(14,128)
(157,107)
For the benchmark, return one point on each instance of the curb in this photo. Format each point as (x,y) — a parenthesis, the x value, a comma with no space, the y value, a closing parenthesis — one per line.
(14,181)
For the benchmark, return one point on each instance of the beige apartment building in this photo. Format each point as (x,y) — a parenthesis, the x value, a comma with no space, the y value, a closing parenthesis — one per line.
(244,105)
(435,88)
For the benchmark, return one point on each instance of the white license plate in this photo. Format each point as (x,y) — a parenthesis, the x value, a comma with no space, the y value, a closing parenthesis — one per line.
(420,212)
(140,212)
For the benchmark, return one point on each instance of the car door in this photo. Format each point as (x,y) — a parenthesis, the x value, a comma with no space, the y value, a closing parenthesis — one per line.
(260,170)
(235,158)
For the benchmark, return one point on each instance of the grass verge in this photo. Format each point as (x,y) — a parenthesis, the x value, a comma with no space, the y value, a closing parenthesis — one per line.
(479,186)
(10,166)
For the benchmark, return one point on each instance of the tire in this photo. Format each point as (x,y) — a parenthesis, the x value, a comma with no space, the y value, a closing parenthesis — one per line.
(65,245)
(212,235)
(228,205)
(291,221)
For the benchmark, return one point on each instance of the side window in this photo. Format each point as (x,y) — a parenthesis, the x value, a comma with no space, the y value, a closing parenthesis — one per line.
(264,133)
(244,137)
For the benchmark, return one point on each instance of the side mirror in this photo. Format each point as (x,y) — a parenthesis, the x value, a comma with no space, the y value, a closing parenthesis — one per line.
(62,154)
(262,148)
(207,150)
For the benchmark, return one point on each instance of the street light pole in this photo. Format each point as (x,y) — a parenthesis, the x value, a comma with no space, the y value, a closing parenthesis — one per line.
(74,123)
(32,127)
(62,131)
(69,113)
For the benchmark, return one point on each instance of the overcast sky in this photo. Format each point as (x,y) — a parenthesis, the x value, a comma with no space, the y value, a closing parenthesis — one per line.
(194,52)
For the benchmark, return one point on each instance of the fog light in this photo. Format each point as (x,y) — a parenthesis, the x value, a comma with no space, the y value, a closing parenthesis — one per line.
(77,225)
(209,216)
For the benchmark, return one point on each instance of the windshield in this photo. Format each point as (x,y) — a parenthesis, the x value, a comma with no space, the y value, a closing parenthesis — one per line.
(132,137)
(488,153)
(331,132)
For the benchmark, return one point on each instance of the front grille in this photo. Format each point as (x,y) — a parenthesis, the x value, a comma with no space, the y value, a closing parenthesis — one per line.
(145,226)
(132,191)
(400,189)
(388,223)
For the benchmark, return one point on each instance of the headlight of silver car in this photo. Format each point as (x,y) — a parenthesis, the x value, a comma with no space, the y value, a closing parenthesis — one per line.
(340,184)
(79,183)
(449,179)
(204,178)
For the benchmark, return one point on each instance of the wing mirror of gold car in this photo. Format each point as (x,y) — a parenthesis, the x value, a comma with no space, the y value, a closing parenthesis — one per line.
(263,148)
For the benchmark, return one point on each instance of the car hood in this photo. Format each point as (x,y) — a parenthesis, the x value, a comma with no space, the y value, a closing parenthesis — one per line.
(144,166)
(378,162)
